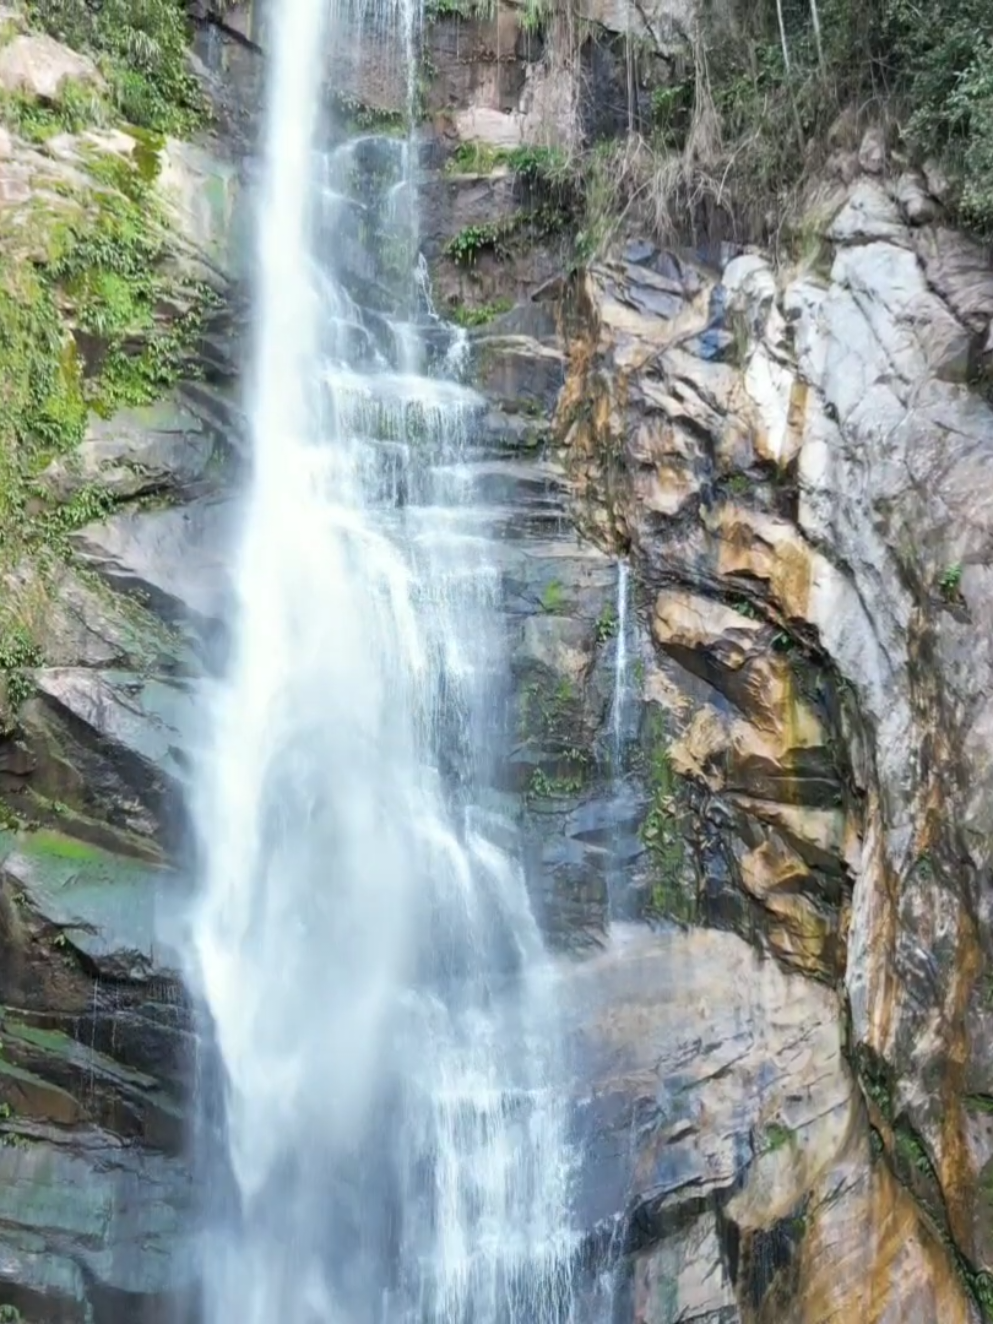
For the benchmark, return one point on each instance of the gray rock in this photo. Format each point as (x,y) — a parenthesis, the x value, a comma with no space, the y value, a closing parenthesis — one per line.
(119,1217)
(162,447)
(177,557)
(688,1051)
(109,743)
(872,151)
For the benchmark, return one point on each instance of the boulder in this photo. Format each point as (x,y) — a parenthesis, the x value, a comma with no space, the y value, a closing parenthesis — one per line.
(865,563)
(158,448)
(109,743)
(40,66)
(176,556)
(722,1125)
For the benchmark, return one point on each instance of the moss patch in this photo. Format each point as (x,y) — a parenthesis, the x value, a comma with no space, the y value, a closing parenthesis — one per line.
(661,830)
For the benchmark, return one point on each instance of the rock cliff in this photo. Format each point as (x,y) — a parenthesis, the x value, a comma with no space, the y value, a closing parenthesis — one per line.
(752,782)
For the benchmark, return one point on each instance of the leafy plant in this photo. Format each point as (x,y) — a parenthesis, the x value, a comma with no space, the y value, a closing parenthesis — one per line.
(950,581)
(607,624)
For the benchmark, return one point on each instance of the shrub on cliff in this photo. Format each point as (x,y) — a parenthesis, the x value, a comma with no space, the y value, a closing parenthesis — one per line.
(774,86)
(142,46)
(781,72)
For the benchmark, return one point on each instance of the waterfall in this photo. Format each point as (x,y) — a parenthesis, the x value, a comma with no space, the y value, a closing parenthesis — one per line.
(617,707)
(372,977)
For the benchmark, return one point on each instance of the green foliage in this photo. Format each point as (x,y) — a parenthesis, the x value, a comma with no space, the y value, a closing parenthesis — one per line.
(543,786)
(478,158)
(744,606)
(661,830)
(95,320)
(607,624)
(496,236)
(19,655)
(535,15)
(553,597)
(950,582)
(672,112)
(730,144)
(10,1314)
(550,714)
(90,503)
(783,642)
(141,46)
(357,116)
(481,315)
(467,9)
(77,107)
(739,485)
(933,69)
(466,246)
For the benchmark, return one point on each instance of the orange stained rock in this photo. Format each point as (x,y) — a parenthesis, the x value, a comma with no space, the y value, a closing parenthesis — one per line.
(869,1257)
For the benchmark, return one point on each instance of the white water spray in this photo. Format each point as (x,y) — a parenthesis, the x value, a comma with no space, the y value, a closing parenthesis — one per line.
(374,979)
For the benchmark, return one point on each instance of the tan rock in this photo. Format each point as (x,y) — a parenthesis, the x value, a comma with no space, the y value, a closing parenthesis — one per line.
(729,650)
(41,66)
(872,151)
(868,1255)
(495,128)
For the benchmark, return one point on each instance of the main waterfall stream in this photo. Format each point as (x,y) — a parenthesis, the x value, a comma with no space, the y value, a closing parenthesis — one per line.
(372,975)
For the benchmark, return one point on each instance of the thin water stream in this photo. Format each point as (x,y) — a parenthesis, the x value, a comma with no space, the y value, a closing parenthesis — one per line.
(370,968)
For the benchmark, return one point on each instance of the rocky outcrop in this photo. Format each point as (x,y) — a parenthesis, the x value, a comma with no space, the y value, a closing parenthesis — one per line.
(793,460)
(725,1124)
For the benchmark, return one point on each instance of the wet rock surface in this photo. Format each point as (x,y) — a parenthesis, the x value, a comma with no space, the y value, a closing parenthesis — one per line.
(725,1129)
(792,460)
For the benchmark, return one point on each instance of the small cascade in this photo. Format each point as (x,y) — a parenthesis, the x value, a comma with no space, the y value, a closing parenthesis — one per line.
(619,706)
(621,648)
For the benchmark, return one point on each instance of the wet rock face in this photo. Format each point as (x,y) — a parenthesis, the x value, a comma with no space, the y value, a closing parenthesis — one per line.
(794,462)
(721,1118)
(97,1048)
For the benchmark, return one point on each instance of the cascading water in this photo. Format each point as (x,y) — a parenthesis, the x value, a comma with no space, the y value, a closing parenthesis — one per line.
(371,971)
(620,667)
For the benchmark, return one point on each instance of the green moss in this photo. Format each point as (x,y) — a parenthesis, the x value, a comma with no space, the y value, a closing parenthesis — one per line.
(661,829)
(553,597)
(777,1136)
(92,317)
(479,316)
(57,846)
